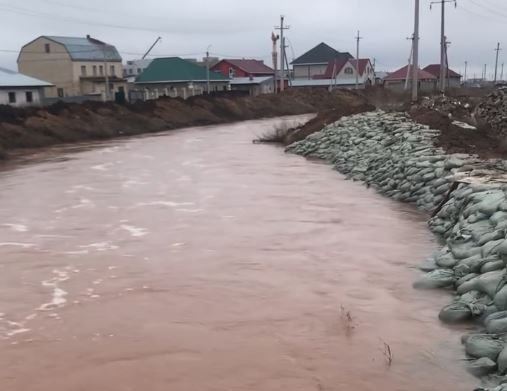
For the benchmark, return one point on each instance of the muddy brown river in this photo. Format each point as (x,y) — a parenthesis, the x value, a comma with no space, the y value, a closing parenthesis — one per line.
(195,260)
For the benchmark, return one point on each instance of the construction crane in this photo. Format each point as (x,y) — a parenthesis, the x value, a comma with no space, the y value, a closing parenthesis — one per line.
(152,46)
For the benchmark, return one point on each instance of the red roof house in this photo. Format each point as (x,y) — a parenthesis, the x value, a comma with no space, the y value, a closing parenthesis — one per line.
(396,79)
(243,68)
(434,69)
(401,74)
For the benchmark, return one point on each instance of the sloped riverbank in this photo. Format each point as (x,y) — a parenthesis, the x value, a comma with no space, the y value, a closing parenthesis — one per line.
(468,200)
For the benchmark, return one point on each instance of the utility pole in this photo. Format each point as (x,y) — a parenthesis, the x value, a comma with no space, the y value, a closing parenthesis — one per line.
(358,39)
(287,65)
(443,41)
(466,65)
(496,61)
(282,52)
(485,72)
(207,70)
(501,74)
(415,51)
(274,39)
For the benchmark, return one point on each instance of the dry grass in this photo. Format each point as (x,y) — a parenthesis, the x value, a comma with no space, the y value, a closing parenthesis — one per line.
(277,135)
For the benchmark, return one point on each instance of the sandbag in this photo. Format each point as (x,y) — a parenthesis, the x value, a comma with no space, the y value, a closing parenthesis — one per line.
(481,367)
(489,283)
(484,345)
(500,299)
(439,278)
(455,313)
(496,323)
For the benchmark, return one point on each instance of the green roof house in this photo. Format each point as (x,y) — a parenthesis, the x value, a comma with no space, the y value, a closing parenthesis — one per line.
(176,77)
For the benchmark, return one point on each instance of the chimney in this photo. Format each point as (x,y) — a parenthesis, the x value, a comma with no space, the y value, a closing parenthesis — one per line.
(88,36)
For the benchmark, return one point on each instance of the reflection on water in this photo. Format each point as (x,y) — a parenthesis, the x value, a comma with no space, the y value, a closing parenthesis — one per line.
(195,260)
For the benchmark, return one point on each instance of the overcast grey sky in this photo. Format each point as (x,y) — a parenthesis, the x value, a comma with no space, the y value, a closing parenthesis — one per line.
(238,28)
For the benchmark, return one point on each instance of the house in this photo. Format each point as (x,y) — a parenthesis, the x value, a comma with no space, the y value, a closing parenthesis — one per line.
(134,68)
(77,67)
(453,78)
(251,76)
(17,89)
(176,77)
(243,68)
(315,61)
(341,73)
(398,79)
(253,85)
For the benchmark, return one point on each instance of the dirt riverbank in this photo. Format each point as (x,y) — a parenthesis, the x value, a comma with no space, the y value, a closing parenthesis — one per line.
(68,123)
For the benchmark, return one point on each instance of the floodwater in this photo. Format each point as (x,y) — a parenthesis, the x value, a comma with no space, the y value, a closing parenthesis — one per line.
(195,260)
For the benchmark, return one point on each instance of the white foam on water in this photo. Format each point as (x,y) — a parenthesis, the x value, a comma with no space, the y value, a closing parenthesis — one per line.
(134,231)
(101,246)
(16,244)
(184,210)
(84,203)
(97,282)
(76,252)
(16,227)
(14,332)
(75,189)
(101,167)
(131,183)
(58,298)
(171,204)
(177,244)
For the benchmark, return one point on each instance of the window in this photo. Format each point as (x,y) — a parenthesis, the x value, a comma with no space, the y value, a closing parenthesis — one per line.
(83,70)
(111,70)
(29,96)
(231,72)
(131,71)
(139,70)
(101,70)
(47,48)
(60,92)
(94,70)
(349,71)
(12,97)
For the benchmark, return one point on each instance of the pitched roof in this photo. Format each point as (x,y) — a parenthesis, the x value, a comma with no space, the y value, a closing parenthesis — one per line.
(321,54)
(176,69)
(337,65)
(334,67)
(434,69)
(87,48)
(401,74)
(10,78)
(249,66)
(363,63)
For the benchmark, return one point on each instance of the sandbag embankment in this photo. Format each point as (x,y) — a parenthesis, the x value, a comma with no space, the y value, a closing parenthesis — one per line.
(468,198)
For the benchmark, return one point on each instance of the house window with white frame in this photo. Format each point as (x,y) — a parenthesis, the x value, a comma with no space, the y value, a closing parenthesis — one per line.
(349,71)
(83,70)
(12,97)
(95,70)
(231,72)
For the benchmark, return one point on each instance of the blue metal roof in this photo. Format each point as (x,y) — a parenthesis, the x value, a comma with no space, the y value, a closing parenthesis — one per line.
(10,78)
(87,49)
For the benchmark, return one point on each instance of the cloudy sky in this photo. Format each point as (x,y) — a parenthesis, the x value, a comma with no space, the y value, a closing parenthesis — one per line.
(238,28)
